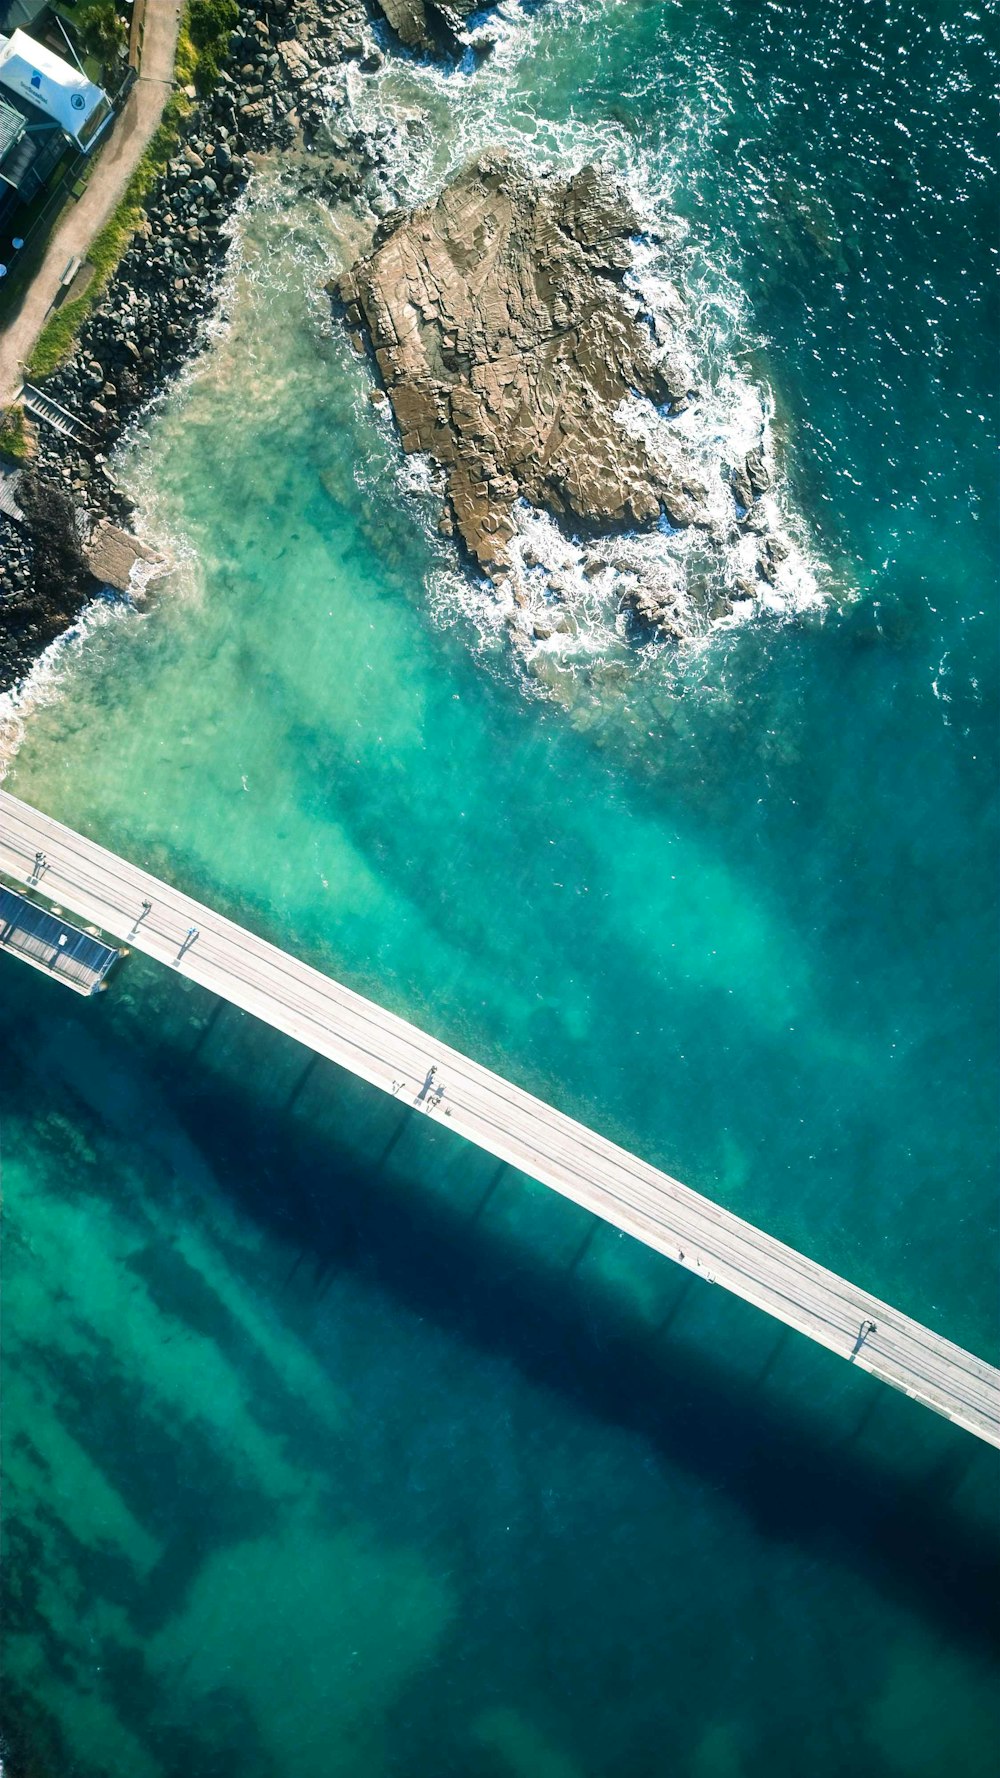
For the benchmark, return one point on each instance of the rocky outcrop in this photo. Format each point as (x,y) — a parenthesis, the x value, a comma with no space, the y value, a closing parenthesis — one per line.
(506,337)
(113,556)
(508,345)
(430,25)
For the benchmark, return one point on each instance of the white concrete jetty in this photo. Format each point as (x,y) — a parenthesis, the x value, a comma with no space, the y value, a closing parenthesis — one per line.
(229,961)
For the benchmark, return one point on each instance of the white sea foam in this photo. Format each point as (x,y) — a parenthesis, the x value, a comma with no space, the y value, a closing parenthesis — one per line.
(563,600)
(563,604)
(43,683)
(45,679)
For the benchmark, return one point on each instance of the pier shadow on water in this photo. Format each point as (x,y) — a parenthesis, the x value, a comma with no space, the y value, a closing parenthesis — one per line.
(493,1379)
(800,1473)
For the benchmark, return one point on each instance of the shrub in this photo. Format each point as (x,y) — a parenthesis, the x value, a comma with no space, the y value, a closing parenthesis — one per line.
(58,565)
(14,441)
(211,21)
(208,25)
(103,34)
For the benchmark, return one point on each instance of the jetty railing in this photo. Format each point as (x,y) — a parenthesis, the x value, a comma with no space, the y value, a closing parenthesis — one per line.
(438,1081)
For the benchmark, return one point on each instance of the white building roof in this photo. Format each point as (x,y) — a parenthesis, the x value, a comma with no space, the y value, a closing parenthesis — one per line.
(53,86)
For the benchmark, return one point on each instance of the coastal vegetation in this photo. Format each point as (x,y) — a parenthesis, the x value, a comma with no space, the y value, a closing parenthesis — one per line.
(205,33)
(15,442)
(202,42)
(103,34)
(57,336)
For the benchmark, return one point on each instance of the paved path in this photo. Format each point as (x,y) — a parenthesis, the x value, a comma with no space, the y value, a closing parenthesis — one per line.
(229,961)
(80,222)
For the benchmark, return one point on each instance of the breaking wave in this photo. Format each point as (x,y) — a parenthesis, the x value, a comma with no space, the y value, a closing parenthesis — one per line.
(565,605)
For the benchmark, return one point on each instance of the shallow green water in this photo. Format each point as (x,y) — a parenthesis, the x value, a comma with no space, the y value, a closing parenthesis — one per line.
(328,1450)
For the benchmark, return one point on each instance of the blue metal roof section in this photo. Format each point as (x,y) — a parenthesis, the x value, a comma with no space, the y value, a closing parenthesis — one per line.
(54,945)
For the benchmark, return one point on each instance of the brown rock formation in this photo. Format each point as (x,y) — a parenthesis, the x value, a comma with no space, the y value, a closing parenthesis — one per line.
(427,24)
(507,344)
(112,554)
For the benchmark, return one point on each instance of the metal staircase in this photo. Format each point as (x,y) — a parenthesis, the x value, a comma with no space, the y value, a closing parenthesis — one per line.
(42,407)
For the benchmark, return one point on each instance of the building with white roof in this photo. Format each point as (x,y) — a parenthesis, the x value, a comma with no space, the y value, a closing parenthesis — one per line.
(48,109)
(30,72)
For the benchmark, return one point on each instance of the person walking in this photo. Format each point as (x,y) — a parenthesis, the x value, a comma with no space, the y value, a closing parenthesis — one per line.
(147,908)
(867,1327)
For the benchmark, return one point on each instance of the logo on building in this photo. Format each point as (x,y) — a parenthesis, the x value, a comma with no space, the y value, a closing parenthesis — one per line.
(36,79)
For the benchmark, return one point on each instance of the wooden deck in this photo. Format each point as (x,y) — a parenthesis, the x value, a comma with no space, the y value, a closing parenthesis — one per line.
(490,1111)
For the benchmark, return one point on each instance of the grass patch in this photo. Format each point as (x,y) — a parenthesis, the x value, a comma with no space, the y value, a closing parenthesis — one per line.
(206,27)
(14,440)
(57,336)
(206,30)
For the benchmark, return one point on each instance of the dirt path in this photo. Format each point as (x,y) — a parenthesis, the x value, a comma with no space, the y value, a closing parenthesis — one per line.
(79,224)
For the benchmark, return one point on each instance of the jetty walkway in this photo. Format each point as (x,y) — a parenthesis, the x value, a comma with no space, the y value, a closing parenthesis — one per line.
(231,962)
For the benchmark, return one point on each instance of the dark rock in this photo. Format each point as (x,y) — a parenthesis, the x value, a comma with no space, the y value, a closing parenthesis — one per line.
(742,491)
(758,474)
(431,25)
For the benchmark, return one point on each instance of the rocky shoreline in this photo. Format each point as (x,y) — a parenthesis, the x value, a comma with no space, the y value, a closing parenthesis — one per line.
(500,318)
(150,320)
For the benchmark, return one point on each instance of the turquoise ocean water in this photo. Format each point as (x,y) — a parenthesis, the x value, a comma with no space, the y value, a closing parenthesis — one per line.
(329,1448)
